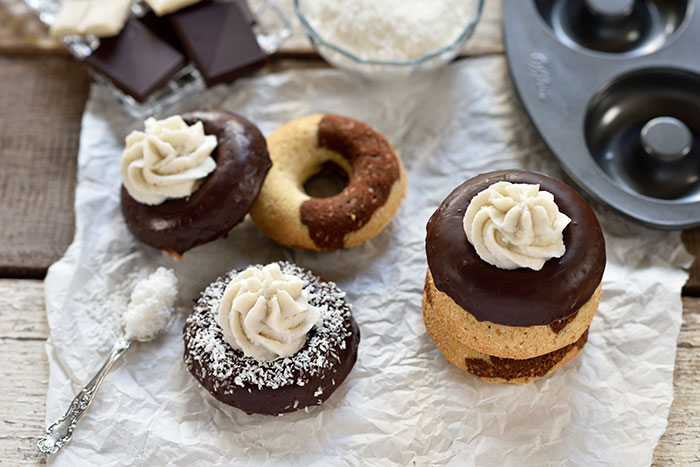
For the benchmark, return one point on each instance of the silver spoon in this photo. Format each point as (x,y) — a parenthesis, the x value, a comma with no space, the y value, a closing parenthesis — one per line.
(61,431)
(160,285)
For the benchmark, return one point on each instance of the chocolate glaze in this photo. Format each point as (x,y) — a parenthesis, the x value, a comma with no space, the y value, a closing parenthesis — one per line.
(559,325)
(375,169)
(519,297)
(223,200)
(300,389)
(510,368)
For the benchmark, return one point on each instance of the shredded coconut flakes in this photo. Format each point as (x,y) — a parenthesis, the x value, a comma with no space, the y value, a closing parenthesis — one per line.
(206,344)
(389,29)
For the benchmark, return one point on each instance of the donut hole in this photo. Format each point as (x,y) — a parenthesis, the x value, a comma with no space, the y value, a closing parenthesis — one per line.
(328,180)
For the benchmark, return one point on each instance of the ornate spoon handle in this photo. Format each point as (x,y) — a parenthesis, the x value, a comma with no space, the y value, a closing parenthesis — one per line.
(60,432)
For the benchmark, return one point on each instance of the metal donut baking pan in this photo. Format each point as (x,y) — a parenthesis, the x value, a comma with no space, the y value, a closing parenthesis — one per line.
(613,87)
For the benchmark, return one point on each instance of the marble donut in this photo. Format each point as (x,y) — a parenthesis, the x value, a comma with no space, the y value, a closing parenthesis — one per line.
(299,149)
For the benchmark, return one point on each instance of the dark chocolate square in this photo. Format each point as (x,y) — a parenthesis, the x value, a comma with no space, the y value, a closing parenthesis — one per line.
(161,27)
(137,61)
(218,38)
(245,9)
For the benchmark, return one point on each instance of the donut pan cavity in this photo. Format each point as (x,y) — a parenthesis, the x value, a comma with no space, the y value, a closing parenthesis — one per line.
(613,87)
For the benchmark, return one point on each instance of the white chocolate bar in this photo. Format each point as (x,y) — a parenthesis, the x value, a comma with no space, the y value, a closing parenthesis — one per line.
(67,21)
(163,7)
(103,18)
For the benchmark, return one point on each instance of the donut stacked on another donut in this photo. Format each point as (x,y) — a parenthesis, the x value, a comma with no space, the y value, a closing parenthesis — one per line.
(298,149)
(511,325)
(222,200)
(284,384)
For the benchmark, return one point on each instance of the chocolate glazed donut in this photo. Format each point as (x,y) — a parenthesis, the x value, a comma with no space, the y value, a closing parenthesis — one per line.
(305,379)
(519,297)
(221,202)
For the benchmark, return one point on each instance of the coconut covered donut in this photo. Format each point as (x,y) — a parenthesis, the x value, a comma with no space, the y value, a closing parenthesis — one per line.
(282,365)
(299,149)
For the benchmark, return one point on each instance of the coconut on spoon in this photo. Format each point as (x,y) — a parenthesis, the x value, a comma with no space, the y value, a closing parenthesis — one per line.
(147,314)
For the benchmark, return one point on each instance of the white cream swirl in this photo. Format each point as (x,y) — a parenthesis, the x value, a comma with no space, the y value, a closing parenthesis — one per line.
(266,313)
(515,225)
(170,159)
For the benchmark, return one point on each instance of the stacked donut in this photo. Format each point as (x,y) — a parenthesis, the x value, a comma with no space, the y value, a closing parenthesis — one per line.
(515,262)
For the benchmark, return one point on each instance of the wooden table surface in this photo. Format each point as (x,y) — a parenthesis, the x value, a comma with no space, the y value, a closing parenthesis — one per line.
(42,95)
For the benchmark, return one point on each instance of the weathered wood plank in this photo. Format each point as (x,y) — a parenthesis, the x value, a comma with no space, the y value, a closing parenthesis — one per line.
(25,376)
(691,238)
(40,109)
(680,445)
(22,308)
(23,388)
(22,398)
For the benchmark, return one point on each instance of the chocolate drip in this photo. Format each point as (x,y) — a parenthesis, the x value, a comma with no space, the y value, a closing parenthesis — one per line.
(559,325)
(375,169)
(510,368)
(221,202)
(519,297)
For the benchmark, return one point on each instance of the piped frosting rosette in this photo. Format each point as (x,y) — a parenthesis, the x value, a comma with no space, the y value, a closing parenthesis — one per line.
(515,225)
(266,313)
(170,159)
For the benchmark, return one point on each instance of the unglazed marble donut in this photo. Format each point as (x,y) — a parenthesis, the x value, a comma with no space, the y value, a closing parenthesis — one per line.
(220,203)
(298,149)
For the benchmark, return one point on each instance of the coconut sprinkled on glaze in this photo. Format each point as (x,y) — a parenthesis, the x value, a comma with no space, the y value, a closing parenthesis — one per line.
(206,343)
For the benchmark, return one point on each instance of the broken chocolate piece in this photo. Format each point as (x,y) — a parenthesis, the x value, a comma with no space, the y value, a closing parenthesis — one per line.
(245,9)
(137,61)
(161,27)
(219,40)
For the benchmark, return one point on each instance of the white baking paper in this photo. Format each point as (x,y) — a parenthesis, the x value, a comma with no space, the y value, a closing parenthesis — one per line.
(403,404)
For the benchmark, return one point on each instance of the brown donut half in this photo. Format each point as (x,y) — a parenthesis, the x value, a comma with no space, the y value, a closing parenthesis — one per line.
(305,379)
(519,297)
(375,169)
(221,202)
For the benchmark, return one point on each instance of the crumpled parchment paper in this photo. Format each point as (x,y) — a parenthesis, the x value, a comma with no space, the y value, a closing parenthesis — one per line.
(403,403)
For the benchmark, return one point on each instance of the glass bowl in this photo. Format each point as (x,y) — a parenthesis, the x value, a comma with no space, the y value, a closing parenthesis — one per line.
(387,69)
